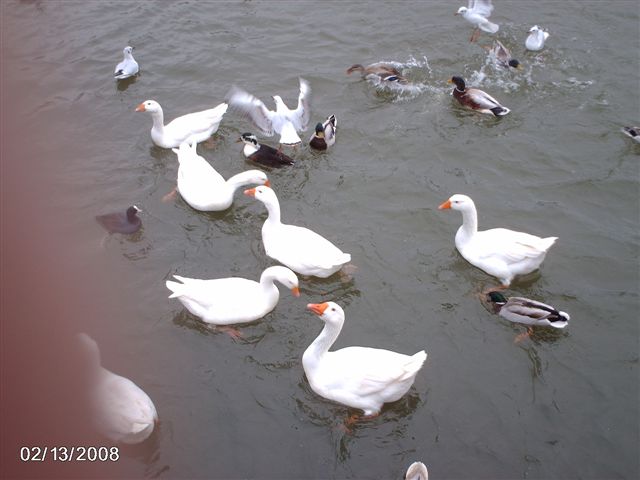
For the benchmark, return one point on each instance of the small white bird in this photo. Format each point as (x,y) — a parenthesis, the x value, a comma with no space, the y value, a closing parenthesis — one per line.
(417,471)
(476,14)
(535,40)
(123,412)
(193,128)
(283,121)
(359,377)
(128,67)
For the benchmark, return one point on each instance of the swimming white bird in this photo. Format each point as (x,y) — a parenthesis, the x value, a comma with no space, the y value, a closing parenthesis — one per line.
(535,40)
(193,127)
(526,311)
(417,471)
(128,67)
(359,377)
(123,412)
(283,121)
(325,134)
(300,249)
(476,14)
(499,252)
(226,301)
(203,187)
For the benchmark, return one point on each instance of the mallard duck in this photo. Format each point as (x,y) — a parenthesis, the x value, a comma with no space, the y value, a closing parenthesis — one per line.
(536,38)
(123,412)
(359,377)
(121,222)
(384,72)
(632,132)
(476,13)
(128,67)
(193,127)
(499,252)
(325,134)
(263,154)
(503,56)
(300,249)
(203,187)
(417,471)
(283,121)
(528,312)
(226,301)
(476,99)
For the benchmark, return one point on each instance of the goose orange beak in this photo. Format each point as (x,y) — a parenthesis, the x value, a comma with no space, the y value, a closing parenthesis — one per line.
(317,308)
(251,192)
(267,183)
(140,108)
(445,205)
(295,291)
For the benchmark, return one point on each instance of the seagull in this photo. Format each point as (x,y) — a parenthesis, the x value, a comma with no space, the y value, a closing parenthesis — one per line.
(283,121)
(128,67)
(476,14)
(535,40)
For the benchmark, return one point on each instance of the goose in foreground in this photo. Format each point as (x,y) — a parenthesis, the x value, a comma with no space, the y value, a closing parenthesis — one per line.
(227,301)
(359,377)
(285,122)
(384,72)
(325,134)
(263,154)
(417,471)
(526,311)
(122,411)
(536,38)
(476,13)
(193,128)
(121,222)
(476,99)
(300,249)
(503,56)
(203,187)
(128,67)
(499,252)
(632,132)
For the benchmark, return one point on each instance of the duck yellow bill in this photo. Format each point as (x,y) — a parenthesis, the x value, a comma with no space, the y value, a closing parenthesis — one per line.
(140,108)
(295,291)
(317,308)
(251,192)
(449,81)
(445,205)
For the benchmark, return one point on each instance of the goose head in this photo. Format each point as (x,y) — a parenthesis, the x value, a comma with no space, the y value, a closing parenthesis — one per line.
(263,193)
(458,202)
(286,277)
(329,312)
(255,177)
(150,106)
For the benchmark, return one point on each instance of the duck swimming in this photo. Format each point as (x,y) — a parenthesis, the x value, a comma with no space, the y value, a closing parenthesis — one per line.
(503,56)
(381,71)
(325,134)
(477,99)
(263,154)
(526,311)
(121,222)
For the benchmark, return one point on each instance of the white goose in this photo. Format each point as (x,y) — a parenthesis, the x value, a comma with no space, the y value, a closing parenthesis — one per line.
(359,377)
(500,252)
(283,121)
(193,127)
(300,249)
(123,412)
(203,187)
(536,38)
(226,301)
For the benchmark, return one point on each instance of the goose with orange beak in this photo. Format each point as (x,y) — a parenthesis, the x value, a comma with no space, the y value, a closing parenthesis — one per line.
(500,252)
(359,377)
(233,300)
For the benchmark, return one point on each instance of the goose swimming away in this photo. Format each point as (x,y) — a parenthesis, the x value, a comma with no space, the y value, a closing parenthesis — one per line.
(203,188)
(285,122)
(476,99)
(476,13)
(536,38)
(121,222)
(263,154)
(123,412)
(193,128)
(227,301)
(359,377)
(128,67)
(300,249)
(500,252)
(325,134)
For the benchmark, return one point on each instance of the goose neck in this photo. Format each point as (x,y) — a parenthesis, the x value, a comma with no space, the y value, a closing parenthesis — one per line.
(273,208)
(322,343)
(469,221)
